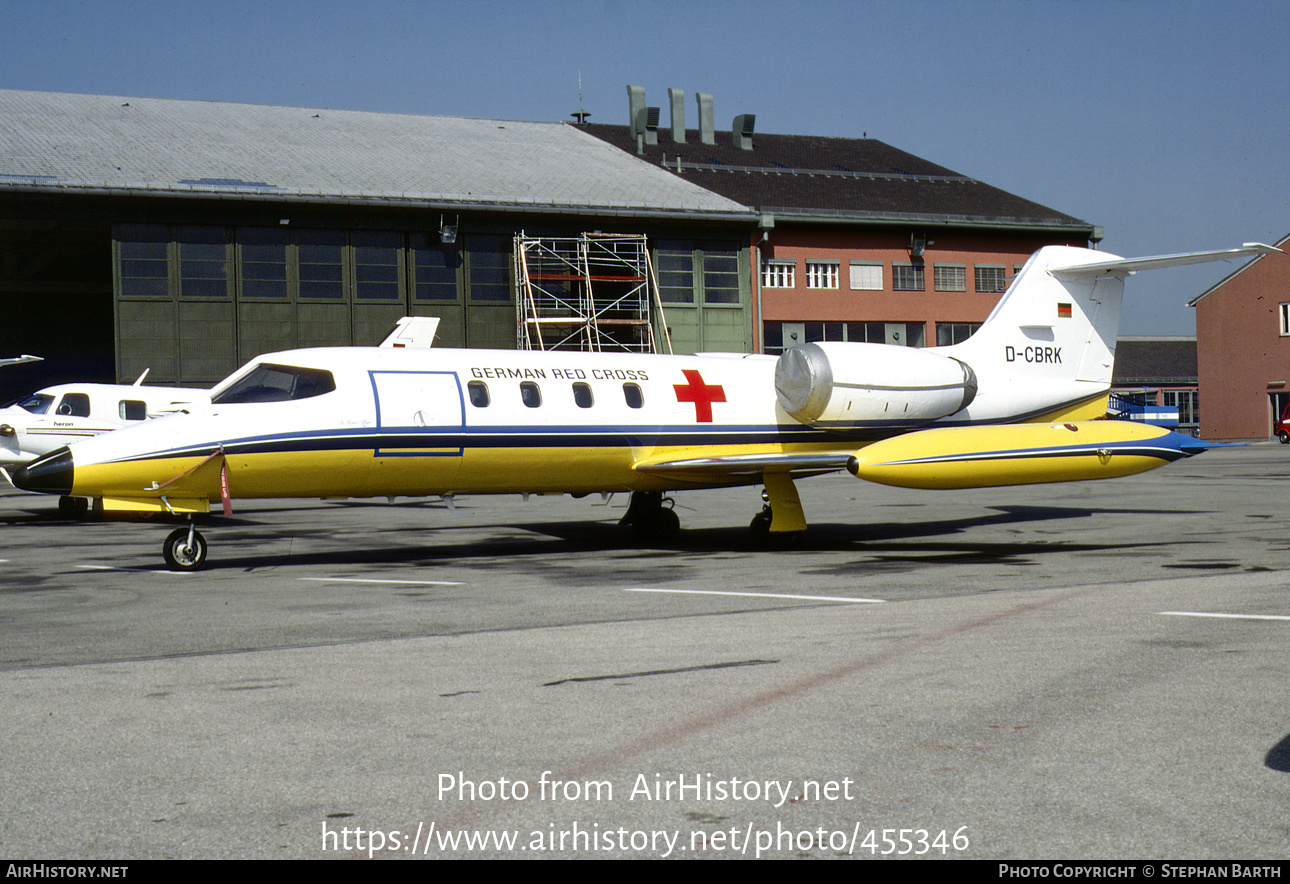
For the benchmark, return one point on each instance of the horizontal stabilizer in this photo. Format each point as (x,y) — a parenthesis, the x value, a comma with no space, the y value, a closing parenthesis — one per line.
(1123,266)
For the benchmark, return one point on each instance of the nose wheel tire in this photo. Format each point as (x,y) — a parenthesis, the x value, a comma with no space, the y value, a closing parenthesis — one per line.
(184,550)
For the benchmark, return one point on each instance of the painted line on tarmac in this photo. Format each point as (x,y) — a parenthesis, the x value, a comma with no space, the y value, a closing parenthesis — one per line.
(131,570)
(767,595)
(1226,616)
(374,580)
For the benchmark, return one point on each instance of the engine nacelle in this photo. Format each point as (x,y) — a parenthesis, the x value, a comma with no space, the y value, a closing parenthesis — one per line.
(845,385)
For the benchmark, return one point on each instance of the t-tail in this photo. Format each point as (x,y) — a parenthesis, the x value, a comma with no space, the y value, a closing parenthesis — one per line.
(1047,350)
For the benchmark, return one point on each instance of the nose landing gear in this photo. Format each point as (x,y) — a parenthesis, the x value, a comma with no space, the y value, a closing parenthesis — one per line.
(185,549)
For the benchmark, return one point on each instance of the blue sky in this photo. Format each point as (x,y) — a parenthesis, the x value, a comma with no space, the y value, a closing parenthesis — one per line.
(1164,121)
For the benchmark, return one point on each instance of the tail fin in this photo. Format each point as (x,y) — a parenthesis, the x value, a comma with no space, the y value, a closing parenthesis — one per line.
(1047,349)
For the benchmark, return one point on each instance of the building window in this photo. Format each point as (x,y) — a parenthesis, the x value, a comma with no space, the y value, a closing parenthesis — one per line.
(1285,319)
(376,265)
(990,278)
(264,262)
(720,273)
(908,278)
(144,261)
(1187,402)
(676,273)
(321,255)
(866,276)
(434,268)
(780,336)
(821,274)
(948,333)
(204,266)
(779,274)
(490,268)
(702,271)
(950,277)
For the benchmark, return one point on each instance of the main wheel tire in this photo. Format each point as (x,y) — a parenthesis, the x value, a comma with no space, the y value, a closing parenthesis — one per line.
(74,508)
(179,555)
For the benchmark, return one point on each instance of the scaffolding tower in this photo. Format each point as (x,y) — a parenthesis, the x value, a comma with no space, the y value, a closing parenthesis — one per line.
(593,292)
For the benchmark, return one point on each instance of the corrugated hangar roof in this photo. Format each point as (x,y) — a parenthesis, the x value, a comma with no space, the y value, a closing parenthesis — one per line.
(819,178)
(97,143)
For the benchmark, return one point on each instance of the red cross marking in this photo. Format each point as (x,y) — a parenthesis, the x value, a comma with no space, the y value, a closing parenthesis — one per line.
(701,394)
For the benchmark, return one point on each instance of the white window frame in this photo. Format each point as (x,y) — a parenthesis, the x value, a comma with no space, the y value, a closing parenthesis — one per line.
(1285,318)
(821,274)
(862,276)
(778,273)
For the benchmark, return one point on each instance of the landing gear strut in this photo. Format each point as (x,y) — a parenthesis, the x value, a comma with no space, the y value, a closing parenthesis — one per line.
(185,549)
(781,520)
(650,520)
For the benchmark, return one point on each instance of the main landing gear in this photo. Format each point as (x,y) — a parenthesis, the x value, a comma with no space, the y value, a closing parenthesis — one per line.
(185,549)
(650,520)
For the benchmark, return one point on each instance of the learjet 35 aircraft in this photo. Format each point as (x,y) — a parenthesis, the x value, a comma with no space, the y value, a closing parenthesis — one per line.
(1019,402)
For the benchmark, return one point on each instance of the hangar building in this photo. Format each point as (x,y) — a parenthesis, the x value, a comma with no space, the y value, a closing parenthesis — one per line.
(186,237)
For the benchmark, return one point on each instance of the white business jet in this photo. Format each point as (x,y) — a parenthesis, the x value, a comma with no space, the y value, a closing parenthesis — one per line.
(1018,402)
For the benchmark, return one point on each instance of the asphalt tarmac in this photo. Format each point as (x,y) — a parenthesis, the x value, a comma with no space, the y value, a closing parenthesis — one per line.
(1090,670)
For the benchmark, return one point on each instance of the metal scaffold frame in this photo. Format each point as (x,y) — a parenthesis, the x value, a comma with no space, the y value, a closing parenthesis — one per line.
(593,292)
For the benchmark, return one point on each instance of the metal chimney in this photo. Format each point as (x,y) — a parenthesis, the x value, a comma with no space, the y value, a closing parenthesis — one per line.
(635,104)
(707,131)
(742,130)
(677,98)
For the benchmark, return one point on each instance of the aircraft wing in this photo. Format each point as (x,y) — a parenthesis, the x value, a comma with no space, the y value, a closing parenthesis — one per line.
(750,464)
(20,359)
(1125,266)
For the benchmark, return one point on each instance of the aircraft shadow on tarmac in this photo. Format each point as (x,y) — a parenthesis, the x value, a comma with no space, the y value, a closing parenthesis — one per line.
(249,544)
(1278,757)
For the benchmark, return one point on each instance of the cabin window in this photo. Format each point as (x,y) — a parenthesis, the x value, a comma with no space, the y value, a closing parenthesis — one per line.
(75,404)
(582,395)
(530,393)
(478,391)
(632,393)
(133,410)
(277,383)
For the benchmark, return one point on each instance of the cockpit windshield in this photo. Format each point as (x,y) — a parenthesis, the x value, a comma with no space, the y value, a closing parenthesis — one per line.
(36,403)
(277,383)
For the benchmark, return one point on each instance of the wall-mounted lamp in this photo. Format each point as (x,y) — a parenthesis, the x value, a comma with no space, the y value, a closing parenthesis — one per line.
(918,246)
(448,232)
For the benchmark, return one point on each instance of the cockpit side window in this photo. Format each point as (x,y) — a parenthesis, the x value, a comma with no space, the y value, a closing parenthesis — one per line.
(36,403)
(277,383)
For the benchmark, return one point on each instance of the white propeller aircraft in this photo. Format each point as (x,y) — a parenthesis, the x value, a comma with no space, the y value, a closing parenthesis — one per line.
(1016,403)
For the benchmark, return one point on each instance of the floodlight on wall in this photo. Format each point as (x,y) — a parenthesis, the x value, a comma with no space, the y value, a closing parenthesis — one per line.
(918,246)
(448,232)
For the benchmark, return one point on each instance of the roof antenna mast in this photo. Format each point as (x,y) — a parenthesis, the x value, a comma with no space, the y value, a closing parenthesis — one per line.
(580,115)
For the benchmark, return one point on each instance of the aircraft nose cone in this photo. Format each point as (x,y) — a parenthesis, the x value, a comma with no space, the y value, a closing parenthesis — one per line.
(51,474)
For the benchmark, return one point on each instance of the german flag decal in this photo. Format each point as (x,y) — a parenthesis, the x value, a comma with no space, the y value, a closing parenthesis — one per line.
(1064,311)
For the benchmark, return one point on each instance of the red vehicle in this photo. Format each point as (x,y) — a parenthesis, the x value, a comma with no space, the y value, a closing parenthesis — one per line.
(1282,427)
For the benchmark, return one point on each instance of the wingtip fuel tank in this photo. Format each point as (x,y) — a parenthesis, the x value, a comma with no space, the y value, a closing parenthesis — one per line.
(1019,454)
